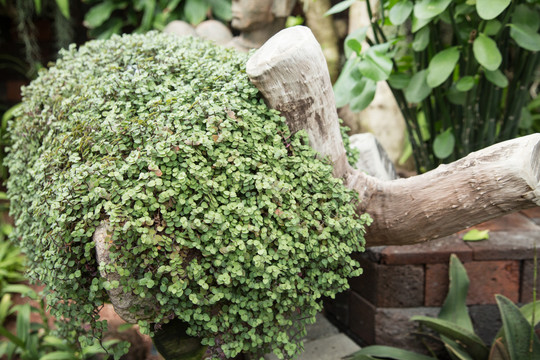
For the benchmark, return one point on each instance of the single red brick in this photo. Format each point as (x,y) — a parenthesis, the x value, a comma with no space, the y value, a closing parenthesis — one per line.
(487,278)
(435,251)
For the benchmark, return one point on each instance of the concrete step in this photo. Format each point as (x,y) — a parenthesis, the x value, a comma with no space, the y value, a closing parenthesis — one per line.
(334,347)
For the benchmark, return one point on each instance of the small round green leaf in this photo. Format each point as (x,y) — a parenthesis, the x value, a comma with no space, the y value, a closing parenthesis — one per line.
(497,77)
(443,146)
(486,52)
(426,9)
(490,9)
(354,45)
(400,12)
(465,84)
(441,66)
(421,39)
(418,89)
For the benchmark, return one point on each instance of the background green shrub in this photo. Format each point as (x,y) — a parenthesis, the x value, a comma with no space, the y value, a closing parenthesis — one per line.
(219,216)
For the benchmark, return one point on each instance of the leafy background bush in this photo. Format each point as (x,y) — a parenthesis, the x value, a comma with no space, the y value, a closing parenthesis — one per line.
(460,71)
(219,216)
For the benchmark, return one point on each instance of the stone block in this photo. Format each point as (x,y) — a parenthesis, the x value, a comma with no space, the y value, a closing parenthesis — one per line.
(390,285)
(436,251)
(334,347)
(527,281)
(487,278)
(338,308)
(486,321)
(394,328)
(362,318)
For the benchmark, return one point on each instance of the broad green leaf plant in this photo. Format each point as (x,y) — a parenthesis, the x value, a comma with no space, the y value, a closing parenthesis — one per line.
(220,217)
(460,70)
(516,340)
(108,17)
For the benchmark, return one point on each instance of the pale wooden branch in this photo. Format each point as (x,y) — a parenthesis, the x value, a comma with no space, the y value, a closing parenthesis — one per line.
(289,71)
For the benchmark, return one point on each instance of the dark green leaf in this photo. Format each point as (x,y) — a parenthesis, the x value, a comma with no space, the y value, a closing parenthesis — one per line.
(486,52)
(400,12)
(441,66)
(468,339)
(454,308)
(222,9)
(375,66)
(443,145)
(455,350)
(418,89)
(399,80)
(497,77)
(108,28)
(381,351)
(148,15)
(362,94)
(98,14)
(426,9)
(63,5)
(421,39)
(339,7)
(195,11)
(525,120)
(492,27)
(517,331)
(476,235)
(465,84)
(14,339)
(490,9)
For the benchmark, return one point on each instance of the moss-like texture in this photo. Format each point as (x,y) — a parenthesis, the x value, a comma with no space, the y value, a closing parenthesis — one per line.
(220,217)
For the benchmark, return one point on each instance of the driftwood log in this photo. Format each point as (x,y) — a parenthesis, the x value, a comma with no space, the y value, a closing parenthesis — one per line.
(290,71)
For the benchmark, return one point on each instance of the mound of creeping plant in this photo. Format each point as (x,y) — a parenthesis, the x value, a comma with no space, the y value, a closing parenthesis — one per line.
(220,217)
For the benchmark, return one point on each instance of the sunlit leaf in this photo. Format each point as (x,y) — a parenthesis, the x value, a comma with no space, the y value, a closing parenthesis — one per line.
(476,235)
(490,9)
(426,9)
(400,12)
(441,66)
(486,52)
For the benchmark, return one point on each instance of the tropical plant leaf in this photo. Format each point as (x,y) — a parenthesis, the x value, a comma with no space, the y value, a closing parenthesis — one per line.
(519,337)
(418,89)
(490,9)
(400,12)
(339,7)
(354,40)
(524,37)
(221,8)
(362,94)
(530,312)
(486,52)
(492,27)
(443,145)
(418,23)
(497,77)
(14,339)
(63,5)
(465,84)
(399,80)
(59,355)
(375,66)
(98,14)
(454,308)
(345,83)
(441,66)
(421,39)
(195,11)
(426,9)
(474,345)
(455,350)
(389,352)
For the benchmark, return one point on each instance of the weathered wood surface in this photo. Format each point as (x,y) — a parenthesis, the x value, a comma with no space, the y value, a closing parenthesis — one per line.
(289,71)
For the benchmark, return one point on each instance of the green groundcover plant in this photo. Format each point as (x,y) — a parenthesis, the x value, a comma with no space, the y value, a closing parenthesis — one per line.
(220,217)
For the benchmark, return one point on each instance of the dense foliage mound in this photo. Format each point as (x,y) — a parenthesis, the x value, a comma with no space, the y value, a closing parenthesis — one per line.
(219,216)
